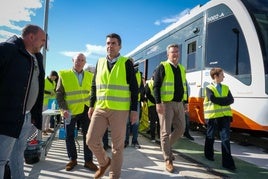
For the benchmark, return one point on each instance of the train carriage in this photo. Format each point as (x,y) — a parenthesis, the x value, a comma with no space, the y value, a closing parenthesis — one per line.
(232,35)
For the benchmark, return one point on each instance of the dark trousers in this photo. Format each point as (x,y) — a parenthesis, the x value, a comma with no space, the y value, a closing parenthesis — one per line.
(187,124)
(105,138)
(222,125)
(154,122)
(70,142)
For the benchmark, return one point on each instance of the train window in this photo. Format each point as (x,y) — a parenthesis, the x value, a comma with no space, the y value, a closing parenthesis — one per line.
(258,11)
(154,61)
(191,56)
(226,48)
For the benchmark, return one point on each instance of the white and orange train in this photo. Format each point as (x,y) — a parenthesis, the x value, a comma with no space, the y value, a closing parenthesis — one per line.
(231,34)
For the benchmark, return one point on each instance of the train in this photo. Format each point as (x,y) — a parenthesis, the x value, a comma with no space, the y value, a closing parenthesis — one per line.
(232,35)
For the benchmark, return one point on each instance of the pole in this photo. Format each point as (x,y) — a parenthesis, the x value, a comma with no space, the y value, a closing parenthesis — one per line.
(45,29)
(39,136)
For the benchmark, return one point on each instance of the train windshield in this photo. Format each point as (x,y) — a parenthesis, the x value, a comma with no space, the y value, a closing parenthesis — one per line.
(227,47)
(258,10)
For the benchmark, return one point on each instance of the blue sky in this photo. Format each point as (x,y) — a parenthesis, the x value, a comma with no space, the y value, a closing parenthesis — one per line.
(82,25)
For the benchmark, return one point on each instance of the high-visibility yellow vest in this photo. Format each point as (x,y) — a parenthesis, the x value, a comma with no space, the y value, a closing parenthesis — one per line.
(76,96)
(49,87)
(167,88)
(138,78)
(151,85)
(212,110)
(112,87)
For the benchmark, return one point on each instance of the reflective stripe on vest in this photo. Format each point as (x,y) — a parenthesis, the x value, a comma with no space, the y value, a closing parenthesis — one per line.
(112,88)
(212,110)
(167,88)
(76,96)
(49,87)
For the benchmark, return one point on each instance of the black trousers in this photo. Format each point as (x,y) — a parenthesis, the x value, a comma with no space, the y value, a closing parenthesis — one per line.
(70,136)
(154,122)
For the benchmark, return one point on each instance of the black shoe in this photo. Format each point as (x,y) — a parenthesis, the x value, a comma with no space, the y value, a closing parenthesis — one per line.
(187,135)
(210,158)
(106,147)
(126,145)
(136,145)
(232,168)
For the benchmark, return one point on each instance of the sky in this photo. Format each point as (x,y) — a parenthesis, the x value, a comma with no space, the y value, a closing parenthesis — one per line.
(75,26)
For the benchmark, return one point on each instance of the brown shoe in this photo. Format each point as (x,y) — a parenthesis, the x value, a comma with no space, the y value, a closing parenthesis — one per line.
(45,133)
(169,166)
(99,173)
(91,166)
(50,131)
(71,165)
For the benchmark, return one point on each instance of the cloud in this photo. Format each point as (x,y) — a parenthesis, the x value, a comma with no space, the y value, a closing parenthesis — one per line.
(91,52)
(15,11)
(4,35)
(173,18)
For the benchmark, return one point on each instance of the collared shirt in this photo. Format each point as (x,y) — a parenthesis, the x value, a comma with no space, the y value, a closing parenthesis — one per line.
(175,65)
(111,62)
(79,76)
(217,86)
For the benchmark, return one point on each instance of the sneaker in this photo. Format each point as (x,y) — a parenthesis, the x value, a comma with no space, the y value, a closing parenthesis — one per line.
(136,145)
(100,172)
(91,166)
(71,165)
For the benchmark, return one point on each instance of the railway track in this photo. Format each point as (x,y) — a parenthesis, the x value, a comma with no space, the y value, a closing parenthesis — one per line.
(242,137)
(247,139)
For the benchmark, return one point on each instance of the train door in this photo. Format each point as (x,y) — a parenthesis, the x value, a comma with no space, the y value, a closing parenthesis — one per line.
(142,66)
(193,64)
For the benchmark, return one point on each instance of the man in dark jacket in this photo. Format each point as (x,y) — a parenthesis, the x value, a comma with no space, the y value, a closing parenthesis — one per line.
(21,95)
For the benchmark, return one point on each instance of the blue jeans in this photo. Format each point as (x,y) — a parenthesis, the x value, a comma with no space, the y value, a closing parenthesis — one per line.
(222,125)
(134,129)
(12,150)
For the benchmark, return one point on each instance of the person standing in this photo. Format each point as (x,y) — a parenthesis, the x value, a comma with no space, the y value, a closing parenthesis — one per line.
(134,128)
(218,116)
(187,123)
(170,92)
(187,116)
(152,114)
(73,92)
(114,93)
(49,94)
(21,64)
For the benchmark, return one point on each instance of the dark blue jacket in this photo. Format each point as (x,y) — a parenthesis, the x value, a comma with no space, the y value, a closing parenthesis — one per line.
(16,68)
